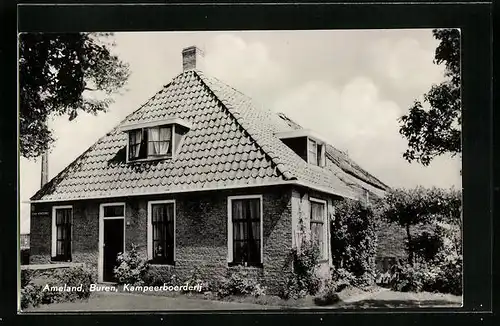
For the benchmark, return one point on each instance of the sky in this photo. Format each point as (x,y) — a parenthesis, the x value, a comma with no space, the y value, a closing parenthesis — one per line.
(349,86)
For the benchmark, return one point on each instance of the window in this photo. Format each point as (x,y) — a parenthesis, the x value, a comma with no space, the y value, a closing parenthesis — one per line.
(315,152)
(318,226)
(159,141)
(245,231)
(135,142)
(150,142)
(61,233)
(161,230)
(312,151)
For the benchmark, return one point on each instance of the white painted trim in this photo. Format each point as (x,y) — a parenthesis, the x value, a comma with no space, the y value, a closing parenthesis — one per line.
(150,225)
(325,224)
(132,126)
(245,186)
(302,133)
(230,225)
(54,230)
(100,259)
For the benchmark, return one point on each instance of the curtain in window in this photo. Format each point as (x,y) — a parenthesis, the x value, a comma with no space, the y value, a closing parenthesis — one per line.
(163,232)
(135,143)
(246,231)
(159,140)
(165,140)
(154,141)
(63,233)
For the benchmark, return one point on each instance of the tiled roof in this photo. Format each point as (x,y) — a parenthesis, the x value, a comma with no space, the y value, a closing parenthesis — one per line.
(231,144)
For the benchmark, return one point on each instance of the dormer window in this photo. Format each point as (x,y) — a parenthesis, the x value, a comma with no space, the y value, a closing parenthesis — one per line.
(154,140)
(305,143)
(150,142)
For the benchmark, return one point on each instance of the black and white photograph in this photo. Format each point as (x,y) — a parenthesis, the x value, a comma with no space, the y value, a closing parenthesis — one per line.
(240,170)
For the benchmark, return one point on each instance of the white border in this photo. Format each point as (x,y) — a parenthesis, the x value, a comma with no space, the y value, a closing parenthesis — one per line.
(150,226)
(230,226)
(54,231)
(100,259)
(325,224)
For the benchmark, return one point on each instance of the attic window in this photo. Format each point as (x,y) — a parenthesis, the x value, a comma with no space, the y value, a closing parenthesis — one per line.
(315,152)
(306,143)
(152,142)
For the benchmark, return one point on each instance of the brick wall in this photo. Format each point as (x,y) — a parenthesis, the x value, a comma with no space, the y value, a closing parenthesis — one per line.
(201,232)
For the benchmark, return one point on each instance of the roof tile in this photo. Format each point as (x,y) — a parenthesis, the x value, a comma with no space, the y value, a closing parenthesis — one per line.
(232,143)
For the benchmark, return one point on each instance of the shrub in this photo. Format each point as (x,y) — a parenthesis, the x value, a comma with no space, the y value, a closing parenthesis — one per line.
(159,277)
(329,294)
(303,279)
(26,276)
(33,293)
(354,240)
(407,278)
(426,245)
(340,279)
(449,277)
(131,267)
(196,277)
(238,282)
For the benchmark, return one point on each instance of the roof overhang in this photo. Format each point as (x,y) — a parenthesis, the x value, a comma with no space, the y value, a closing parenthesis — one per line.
(138,125)
(301,133)
(338,193)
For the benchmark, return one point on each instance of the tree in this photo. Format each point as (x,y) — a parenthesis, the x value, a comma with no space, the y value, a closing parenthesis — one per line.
(57,73)
(437,130)
(418,206)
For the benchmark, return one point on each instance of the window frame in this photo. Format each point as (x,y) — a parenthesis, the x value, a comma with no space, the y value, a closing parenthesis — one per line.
(54,256)
(324,222)
(309,158)
(320,152)
(145,144)
(230,244)
(150,231)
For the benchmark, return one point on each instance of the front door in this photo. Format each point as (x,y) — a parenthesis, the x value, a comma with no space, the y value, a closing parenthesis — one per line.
(113,244)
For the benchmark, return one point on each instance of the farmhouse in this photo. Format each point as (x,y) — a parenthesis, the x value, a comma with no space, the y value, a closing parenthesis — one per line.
(198,176)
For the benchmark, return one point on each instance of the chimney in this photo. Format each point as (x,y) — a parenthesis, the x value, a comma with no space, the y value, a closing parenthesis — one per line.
(192,58)
(45,168)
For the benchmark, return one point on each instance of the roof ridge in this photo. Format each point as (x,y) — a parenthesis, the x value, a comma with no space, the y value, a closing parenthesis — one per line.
(280,166)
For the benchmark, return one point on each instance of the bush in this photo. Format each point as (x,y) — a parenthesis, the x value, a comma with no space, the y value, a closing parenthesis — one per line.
(448,278)
(303,279)
(442,274)
(340,279)
(131,268)
(329,295)
(354,240)
(196,277)
(159,277)
(33,293)
(426,245)
(407,279)
(26,276)
(238,282)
